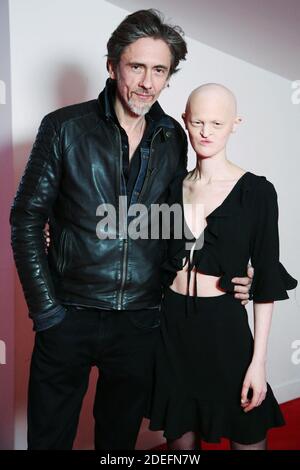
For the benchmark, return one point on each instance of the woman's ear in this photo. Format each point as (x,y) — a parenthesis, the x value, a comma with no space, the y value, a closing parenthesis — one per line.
(238,120)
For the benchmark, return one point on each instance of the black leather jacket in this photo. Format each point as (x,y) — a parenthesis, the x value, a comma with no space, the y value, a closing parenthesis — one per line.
(75,165)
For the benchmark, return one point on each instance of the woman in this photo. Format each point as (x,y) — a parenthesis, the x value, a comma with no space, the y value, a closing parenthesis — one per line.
(210,379)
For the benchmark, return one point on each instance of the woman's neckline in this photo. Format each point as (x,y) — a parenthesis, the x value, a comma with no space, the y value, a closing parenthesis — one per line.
(237,183)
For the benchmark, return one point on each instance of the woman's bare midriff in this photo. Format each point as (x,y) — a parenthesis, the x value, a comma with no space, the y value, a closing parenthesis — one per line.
(207,286)
(211,197)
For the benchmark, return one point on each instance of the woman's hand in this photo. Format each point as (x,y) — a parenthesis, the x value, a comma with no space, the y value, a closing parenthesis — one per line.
(255,379)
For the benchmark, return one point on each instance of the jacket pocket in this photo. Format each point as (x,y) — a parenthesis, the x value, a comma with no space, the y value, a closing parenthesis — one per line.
(148,183)
(63,258)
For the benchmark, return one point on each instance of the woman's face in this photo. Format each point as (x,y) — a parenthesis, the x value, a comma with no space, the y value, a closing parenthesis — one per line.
(210,119)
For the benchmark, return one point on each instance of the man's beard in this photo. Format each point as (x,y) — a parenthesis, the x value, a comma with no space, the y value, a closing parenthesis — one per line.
(138,110)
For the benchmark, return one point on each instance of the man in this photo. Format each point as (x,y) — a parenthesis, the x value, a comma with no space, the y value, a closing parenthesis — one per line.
(95,301)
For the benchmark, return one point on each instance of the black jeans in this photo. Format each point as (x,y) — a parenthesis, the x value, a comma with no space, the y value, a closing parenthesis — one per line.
(121,344)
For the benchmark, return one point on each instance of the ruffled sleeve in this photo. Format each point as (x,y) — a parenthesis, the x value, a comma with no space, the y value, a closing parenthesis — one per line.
(271,280)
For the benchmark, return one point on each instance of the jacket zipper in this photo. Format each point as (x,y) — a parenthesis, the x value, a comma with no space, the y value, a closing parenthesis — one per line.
(125,241)
(149,171)
(124,273)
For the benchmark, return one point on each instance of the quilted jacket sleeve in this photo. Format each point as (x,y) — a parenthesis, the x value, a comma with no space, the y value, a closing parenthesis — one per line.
(30,211)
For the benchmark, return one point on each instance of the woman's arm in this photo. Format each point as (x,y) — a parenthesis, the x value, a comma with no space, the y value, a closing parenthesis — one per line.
(270,283)
(255,377)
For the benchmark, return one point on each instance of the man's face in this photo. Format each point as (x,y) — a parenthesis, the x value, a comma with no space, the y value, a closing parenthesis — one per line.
(141,74)
(210,120)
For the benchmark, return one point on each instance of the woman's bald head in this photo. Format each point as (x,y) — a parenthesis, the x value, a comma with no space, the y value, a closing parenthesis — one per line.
(212,97)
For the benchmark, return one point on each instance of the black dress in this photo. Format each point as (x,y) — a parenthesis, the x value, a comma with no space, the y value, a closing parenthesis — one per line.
(206,344)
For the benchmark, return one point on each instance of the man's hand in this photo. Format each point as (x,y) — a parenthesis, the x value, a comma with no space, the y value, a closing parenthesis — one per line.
(243,285)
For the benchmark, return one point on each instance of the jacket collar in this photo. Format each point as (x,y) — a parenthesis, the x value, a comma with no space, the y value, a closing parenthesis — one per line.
(106,98)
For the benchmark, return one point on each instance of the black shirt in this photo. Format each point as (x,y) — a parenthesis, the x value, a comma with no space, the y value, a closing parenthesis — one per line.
(130,168)
(244,227)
